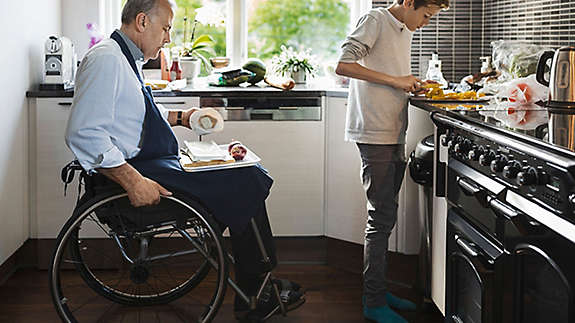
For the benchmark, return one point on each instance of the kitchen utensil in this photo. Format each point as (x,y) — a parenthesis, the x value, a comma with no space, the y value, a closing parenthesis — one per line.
(59,64)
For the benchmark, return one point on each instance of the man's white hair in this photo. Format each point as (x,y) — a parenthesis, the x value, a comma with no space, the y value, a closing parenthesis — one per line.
(133,7)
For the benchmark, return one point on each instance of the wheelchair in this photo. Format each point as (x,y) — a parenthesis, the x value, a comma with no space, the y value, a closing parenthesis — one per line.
(114,262)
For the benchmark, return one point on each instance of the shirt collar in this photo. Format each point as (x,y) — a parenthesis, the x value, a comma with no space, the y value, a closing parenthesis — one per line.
(136,52)
(400,26)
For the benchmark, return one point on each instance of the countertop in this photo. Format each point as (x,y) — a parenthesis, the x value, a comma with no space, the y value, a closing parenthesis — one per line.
(316,87)
(481,113)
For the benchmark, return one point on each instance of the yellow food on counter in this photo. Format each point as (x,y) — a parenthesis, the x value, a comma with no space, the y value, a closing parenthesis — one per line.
(436,93)
(156,84)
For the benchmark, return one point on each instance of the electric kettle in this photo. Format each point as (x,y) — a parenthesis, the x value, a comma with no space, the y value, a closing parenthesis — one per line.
(562,79)
(561,104)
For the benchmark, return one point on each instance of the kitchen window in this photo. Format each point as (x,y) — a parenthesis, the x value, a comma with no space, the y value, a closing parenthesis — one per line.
(257,28)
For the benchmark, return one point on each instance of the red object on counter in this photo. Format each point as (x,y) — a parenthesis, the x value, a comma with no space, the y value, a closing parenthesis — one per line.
(164,65)
(176,70)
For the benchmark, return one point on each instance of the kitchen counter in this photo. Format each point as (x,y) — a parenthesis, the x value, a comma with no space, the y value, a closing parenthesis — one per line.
(470,112)
(319,87)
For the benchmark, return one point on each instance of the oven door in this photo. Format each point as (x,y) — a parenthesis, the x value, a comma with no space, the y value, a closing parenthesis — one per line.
(470,191)
(472,293)
(542,269)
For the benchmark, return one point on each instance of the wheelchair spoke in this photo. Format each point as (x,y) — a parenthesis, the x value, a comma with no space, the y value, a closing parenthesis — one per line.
(198,247)
(91,218)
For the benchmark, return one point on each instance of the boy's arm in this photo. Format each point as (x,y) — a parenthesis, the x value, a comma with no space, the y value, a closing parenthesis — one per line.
(408,83)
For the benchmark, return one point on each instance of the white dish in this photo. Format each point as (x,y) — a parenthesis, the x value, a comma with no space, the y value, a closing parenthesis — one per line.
(250,159)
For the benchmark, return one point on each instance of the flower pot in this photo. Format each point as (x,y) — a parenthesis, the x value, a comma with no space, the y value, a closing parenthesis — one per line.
(191,68)
(299,76)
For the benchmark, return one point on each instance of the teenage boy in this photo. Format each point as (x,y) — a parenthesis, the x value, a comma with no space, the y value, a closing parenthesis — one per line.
(376,55)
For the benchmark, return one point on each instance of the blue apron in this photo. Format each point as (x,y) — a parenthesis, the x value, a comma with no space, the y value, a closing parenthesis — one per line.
(233,196)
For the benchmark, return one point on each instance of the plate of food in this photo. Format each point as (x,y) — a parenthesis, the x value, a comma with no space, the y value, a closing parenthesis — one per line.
(436,94)
(199,156)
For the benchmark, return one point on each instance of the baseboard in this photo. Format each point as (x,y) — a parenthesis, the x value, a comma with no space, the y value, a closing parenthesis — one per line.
(345,255)
(19,259)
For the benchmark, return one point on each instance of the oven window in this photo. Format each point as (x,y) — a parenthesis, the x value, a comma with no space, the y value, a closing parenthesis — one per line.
(467,292)
(543,294)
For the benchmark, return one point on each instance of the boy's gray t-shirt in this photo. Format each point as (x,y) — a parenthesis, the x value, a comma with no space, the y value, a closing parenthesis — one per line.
(377,114)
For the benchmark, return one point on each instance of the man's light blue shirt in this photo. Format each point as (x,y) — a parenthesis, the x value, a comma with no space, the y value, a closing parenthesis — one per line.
(108,110)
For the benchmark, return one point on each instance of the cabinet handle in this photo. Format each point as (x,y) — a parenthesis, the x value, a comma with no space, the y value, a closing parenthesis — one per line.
(65,103)
(468,187)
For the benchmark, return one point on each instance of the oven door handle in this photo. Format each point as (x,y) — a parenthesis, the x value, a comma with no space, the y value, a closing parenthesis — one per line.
(466,247)
(503,209)
(468,186)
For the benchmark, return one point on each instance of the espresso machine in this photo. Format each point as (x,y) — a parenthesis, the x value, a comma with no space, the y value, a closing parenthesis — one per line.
(59,64)
(561,103)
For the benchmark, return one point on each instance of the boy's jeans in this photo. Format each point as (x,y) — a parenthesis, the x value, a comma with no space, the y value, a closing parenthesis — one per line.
(383,169)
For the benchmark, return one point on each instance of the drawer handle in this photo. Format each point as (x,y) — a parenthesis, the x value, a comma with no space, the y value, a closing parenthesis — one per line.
(235,108)
(65,103)
(179,102)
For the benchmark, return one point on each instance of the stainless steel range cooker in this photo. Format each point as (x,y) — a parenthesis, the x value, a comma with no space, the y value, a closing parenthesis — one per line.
(511,225)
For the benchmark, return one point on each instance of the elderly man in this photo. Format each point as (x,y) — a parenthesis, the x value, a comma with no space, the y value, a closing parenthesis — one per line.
(116,129)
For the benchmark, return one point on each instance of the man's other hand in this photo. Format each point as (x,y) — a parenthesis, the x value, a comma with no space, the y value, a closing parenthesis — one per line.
(146,192)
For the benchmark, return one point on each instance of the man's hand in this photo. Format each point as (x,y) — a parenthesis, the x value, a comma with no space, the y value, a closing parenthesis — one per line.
(146,192)
(408,83)
(173,117)
(186,117)
(141,191)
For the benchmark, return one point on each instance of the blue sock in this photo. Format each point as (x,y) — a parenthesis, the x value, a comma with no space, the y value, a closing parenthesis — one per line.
(382,314)
(399,303)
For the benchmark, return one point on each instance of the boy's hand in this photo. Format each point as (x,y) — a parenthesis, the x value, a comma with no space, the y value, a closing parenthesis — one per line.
(408,83)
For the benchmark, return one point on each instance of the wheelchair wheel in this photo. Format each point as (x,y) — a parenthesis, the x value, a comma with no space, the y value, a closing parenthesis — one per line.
(113,262)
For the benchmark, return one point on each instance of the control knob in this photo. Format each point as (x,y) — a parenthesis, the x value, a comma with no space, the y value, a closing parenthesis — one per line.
(463,146)
(531,176)
(511,169)
(476,152)
(498,163)
(486,158)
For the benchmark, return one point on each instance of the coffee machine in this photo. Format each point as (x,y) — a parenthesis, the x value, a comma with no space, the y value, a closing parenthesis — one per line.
(561,103)
(59,64)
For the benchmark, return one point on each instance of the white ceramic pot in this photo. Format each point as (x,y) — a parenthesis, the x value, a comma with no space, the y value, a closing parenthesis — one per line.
(299,76)
(191,68)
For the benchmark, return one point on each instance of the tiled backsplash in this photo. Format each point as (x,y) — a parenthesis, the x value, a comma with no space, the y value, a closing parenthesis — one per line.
(464,33)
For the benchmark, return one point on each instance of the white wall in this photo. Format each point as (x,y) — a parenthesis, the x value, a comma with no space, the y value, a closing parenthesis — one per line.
(25,25)
(75,15)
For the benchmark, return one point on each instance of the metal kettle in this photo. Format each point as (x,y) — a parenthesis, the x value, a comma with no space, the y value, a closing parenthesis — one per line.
(562,79)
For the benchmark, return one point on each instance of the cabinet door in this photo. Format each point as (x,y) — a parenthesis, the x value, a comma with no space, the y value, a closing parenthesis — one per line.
(293,153)
(180,103)
(49,207)
(345,197)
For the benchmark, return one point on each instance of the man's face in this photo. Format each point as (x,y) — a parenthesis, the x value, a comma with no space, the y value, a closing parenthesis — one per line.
(419,18)
(157,30)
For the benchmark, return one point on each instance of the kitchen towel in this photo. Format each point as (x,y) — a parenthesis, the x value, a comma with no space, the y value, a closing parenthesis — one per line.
(205,121)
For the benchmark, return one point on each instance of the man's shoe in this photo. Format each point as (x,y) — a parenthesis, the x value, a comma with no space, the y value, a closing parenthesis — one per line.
(382,314)
(399,303)
(291,296)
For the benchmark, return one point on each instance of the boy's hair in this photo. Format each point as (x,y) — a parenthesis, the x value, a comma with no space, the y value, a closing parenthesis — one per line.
(443,4)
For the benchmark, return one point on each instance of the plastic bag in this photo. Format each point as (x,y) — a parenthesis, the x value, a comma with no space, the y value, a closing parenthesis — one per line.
(516,59)
(515,104)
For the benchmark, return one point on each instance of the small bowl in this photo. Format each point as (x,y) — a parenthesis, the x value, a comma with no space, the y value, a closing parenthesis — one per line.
(219,62)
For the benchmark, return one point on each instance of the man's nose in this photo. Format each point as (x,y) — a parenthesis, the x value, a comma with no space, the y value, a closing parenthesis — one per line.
(168,39)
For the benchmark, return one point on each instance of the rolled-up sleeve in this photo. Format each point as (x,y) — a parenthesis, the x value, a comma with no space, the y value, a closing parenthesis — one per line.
(358,44)
(93,113)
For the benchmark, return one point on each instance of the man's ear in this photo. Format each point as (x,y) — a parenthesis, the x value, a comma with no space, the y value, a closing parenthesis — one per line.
(409,4)
(141,21)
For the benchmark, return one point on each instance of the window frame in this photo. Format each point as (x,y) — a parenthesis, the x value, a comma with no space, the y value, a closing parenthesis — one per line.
(236,23)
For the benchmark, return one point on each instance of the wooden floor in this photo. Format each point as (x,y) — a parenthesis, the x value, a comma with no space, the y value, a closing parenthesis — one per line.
(332,296)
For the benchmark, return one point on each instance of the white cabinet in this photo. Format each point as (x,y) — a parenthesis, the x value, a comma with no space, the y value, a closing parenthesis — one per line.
(345,197)
(49,208)
(293,153)
(48,154)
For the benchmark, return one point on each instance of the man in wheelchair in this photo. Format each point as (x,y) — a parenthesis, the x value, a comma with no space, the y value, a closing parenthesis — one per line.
(117,130)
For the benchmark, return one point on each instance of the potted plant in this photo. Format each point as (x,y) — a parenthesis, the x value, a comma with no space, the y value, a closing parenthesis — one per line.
(295,64)
(195,53)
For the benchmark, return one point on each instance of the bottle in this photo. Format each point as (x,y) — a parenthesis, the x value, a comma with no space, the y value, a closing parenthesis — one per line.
(486,66)
(176,70)
(164,65)
(434,71)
